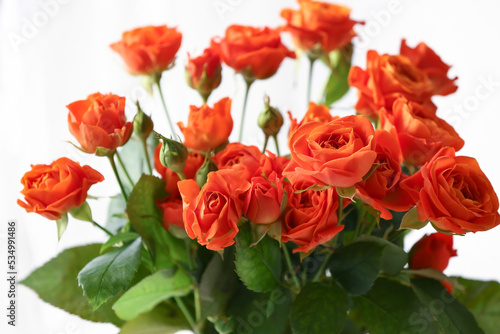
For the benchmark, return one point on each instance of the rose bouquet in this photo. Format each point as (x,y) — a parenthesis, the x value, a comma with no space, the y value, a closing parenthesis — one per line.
(222,237)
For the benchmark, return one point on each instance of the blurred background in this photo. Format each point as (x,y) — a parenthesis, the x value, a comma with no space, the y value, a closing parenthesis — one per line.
(54,52)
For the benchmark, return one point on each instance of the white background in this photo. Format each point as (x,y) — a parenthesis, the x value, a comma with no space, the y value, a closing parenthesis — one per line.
(68,57)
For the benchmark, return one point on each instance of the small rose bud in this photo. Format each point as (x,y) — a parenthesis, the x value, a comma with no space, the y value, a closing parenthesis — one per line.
(202,173)
(203,73)
(270,120)
(173,155)
(143,125)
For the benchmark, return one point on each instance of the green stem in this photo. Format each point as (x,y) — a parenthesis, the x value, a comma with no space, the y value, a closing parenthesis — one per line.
(172,129)
(322,268)
(340,211)
(186,313)
(113,166)
(277,145)
(309,79)
(146,154)
(249,84)
(265,144)
(290,266)
(197,304)
(122,165)
(181,175)
(102,228)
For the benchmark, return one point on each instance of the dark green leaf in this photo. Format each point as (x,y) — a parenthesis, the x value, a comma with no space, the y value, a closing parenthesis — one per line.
(452,316)
(119,238)
(394,257)
(109,274)
(357,265)
(391,308)
(483,300)
(319,308)
(350,327)
(55,283)
(259,266)
(218,283)
(152,290)
(164,319)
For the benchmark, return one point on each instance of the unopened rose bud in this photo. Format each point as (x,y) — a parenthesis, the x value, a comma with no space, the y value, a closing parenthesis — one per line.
(270,120)
(202,173)
(143,125)
(173,155)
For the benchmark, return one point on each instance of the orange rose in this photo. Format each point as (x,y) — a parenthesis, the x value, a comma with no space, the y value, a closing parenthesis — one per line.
(203,73)
(236,156)
(454,194)
(382,190)
(99,121)
(315,113)
(211,214)
(432,251)
(419,131)
(310,218)
(264,199)
(172,213)
(319,24)
(387,78)
(148,50)
(338,153)
(255,52)
(208,128)
(271,163)
(193,163)
(53,190)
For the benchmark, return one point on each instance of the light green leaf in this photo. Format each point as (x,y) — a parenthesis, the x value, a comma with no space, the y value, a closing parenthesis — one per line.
(164,319)
(119,238)
(62,224)
(410,220)
(82,212)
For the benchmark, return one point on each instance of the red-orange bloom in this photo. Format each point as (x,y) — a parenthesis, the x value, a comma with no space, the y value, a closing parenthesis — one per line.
(148,50)
(99,121)
(208,128)
(236,156)
(204,71)
(264,199)
(53,190)
(255,52)
(432,251)
(315,113)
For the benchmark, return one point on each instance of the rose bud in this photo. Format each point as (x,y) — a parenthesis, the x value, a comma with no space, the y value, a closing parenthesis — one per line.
(270,120)
(263,201)
(203,73)
(202,173)
(173,155)
(432,251)
(143,124)
(53,190)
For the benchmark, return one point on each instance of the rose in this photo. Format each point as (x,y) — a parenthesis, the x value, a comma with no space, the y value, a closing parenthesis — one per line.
(315,113)
(432,251)
(419,131)
(241,158)
(148,50)
(264,199)
(429,62)
(211,214)
(454,194)
(255,52)
(172,213)
(388,77)
(99,122)
(271,163)
(382,190)
(310,218)
(319,25)
(338,153)
(208,128)
(203,73)
(193,163)
(53,190)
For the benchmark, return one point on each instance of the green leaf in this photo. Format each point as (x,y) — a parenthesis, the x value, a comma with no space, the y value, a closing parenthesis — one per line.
(116,218)
(357,265)
(452,316)
(483,300)
(146,218)
(410,220)
(164,319)
(319,308)
(109,274)
(152,290)
(218,284)
(337,85)
(260,312)
(394,258)
(55,283)
(259,267)
(82,212)
(119,238)
(62,224)
(391,308)
(346,192)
